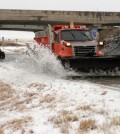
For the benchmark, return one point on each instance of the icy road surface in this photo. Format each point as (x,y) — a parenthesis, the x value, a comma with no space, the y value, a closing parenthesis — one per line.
(37,98)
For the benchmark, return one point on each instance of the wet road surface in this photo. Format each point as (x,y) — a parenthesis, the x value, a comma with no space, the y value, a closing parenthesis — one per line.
(113,82)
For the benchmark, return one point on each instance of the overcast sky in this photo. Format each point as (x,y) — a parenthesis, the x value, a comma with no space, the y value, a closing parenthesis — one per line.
(75,5)
(68,5)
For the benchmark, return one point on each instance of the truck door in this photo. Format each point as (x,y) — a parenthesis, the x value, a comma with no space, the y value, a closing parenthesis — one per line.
(56,44)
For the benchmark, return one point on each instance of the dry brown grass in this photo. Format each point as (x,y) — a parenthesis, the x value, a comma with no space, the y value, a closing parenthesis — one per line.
(101,111)
(17,124)
(31,94)
(85,107)
(17,104)
(65,112)
(89,107)
(6,96)
(11,105)
(5,91)
(47,98)
(27,99)
(10,43)
(54,101)
(87,124)
(38,86)
(72,118)
(68,116)
(11,100)
(115,121)
(63,120)
(65,128)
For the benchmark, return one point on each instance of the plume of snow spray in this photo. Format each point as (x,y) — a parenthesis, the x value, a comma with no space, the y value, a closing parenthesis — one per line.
(45,61)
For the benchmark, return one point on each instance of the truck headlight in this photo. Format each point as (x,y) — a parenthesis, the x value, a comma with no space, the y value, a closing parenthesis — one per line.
(68,44)
(101,43)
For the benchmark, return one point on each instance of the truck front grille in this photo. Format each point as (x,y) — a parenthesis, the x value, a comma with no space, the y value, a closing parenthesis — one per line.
(84,50)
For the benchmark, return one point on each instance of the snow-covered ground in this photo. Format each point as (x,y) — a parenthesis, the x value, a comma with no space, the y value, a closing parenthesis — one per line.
(36,97)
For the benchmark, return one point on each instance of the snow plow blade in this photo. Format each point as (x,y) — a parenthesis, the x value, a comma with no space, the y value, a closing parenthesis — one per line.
(87,63)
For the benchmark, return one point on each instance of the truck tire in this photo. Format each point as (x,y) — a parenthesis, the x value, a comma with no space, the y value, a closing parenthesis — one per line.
(65,64)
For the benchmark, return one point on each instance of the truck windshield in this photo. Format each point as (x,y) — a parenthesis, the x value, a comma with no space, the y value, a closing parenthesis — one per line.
(76,35)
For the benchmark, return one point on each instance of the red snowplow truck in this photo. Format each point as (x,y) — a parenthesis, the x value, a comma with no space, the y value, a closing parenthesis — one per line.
(75,47)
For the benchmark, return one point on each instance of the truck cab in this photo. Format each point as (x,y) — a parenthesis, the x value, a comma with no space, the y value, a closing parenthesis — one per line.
(74,42)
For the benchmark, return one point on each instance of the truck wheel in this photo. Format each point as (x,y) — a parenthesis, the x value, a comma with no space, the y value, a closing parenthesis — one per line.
(66,64)
(2,55)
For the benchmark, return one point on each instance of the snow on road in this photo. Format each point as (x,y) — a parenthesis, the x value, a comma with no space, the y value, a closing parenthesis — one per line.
(33,100)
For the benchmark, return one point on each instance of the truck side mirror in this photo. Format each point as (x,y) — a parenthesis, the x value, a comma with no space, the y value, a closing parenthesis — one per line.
(97,36)
(62,42)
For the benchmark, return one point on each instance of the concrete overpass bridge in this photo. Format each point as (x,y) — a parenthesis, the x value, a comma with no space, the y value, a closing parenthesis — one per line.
(36,20)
